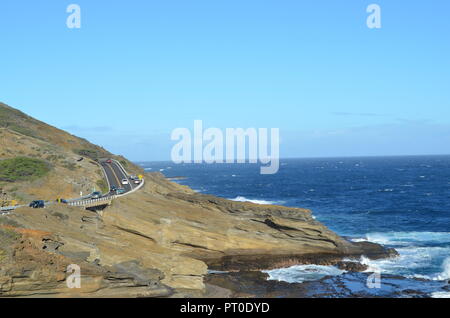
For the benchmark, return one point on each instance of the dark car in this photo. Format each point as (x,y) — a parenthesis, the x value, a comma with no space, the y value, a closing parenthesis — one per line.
(113,189)
(96,195)
(59,200)
(37,204)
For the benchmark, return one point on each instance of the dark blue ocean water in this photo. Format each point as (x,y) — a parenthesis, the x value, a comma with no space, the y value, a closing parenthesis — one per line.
(403,202)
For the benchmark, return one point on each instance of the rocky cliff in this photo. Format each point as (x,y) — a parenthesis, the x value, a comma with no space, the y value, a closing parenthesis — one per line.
(157,242)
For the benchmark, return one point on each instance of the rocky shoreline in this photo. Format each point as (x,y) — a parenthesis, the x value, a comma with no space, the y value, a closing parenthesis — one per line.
(161,241)
(267,262)
(348,285)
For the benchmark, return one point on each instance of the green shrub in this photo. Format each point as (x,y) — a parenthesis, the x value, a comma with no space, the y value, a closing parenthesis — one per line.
(22,169)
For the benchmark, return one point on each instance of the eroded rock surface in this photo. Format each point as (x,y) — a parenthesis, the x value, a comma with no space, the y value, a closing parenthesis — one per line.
(160,241)
(157,242)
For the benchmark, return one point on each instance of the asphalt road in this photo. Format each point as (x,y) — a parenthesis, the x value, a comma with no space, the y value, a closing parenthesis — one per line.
(115,176)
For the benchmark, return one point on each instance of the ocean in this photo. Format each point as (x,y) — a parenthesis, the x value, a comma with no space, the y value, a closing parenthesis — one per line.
(400,202)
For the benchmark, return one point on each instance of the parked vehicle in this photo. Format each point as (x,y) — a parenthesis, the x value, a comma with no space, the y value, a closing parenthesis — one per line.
(96,195)
(113,189)
(37,204)
(59,200)
(125,181)
(136,181)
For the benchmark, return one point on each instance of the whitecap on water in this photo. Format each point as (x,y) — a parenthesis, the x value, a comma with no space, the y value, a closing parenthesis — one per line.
(257,201)
(440,295)
(302,273)
(407,238)
(445,275)
(421,254)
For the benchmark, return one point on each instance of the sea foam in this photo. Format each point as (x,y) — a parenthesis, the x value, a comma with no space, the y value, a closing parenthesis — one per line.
(440,295)
(421,254)
(302,273)
(405,238)
(445,270)
(264,202)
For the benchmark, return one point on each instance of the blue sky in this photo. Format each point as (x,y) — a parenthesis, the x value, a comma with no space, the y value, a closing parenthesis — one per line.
(138,69)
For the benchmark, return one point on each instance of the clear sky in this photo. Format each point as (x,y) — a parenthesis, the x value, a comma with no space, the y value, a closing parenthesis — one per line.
(138,69)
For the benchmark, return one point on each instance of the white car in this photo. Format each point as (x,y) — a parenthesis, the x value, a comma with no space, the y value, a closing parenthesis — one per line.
(137,181)
(124,181)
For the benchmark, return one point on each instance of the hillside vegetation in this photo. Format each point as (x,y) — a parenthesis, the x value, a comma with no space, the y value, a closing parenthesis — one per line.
(22,169)
(39,161)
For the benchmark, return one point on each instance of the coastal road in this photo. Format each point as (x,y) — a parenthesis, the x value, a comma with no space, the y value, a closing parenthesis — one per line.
(116,174)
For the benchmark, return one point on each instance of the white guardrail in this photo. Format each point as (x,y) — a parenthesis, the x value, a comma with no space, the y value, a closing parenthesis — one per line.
(6,209)
(91,201)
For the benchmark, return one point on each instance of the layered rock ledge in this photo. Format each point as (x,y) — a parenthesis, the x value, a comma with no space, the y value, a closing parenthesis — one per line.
(160,242)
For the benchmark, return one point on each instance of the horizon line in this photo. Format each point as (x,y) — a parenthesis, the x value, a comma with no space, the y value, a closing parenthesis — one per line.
(312,157)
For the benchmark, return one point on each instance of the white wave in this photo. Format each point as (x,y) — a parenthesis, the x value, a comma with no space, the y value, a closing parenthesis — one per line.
(440,295)
(264,202)
(445,270)
(418,253)
(360,239)
(148,169)
(406,238)
(410,260)
(302,273)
